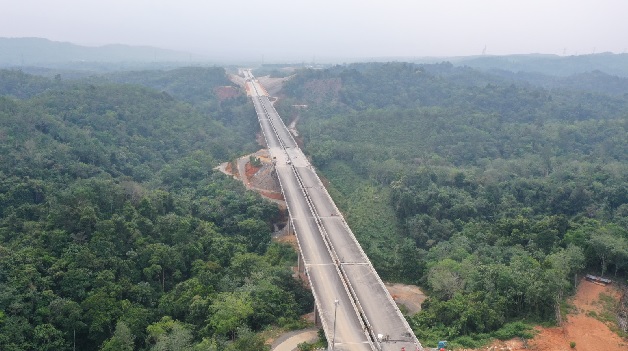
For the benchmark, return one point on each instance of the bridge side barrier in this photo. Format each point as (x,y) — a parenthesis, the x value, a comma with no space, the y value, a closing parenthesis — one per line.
(354,302)
(307,273)
(346,283)
(343,272)
(350,290)
(331,252)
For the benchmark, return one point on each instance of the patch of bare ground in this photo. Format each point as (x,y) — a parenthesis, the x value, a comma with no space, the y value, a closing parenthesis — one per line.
(292,127)
(237,79)
(250,170)
(273,85)
(260,178)
(228,167)
(581,327)
(408,297)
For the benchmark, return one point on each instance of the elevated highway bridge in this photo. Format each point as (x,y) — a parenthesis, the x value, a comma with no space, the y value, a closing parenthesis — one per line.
(355,309)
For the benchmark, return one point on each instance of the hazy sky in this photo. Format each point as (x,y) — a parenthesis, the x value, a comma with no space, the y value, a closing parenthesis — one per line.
(302,29)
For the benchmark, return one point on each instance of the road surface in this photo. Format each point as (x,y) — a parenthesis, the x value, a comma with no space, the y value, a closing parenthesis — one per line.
(365,316)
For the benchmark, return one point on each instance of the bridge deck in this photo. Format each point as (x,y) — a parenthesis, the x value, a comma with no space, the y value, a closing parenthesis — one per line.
(335,264)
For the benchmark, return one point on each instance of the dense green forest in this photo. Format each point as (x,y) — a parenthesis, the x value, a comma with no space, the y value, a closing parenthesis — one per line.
(493,193)
(115,231)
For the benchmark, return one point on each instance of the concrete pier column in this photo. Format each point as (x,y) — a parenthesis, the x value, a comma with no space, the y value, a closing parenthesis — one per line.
(317,318)
(299,262)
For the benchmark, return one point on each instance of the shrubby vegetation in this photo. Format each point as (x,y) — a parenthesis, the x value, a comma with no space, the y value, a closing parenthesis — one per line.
(115,231)
(491,194)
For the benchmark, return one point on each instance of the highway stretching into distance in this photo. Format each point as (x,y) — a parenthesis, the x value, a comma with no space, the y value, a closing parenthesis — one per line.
(355,309)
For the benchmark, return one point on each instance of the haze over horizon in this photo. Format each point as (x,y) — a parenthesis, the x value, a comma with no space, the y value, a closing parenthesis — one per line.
(288,30)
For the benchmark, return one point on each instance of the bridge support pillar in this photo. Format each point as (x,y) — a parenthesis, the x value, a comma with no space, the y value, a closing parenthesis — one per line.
(300,263)
(317,318)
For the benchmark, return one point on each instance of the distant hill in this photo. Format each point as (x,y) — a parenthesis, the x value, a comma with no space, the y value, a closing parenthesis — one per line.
(613,64)
(594,81)
(17,52)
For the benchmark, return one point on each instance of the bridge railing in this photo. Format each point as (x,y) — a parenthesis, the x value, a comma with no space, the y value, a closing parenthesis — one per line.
(369,330)
(372,333)
(345,281)
(325,238)
(350,290)
(307,273)
(354,302)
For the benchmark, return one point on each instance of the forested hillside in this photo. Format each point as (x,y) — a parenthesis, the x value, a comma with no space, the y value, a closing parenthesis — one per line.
(115,231)
(492,194)
(552,65)
(198,86)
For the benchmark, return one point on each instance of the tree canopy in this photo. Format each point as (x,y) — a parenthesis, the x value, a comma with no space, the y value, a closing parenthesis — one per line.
(490,192)
(116,232)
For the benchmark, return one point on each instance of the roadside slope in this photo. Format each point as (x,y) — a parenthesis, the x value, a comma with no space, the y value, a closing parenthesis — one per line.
(580,327)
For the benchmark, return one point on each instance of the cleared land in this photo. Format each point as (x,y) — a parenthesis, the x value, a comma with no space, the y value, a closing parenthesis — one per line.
(580,327)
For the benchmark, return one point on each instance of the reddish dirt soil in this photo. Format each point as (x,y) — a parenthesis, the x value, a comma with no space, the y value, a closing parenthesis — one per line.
(250,170)
(588,333)
(228,168)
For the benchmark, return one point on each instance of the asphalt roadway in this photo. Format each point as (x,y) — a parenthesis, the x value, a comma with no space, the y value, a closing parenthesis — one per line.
(365,316)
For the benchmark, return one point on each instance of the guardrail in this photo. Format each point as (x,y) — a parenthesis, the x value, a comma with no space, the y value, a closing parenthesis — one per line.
(379,281)
(343,277)
(373,334)
(325,237)
(316,298)
(359,310)
(350,290)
